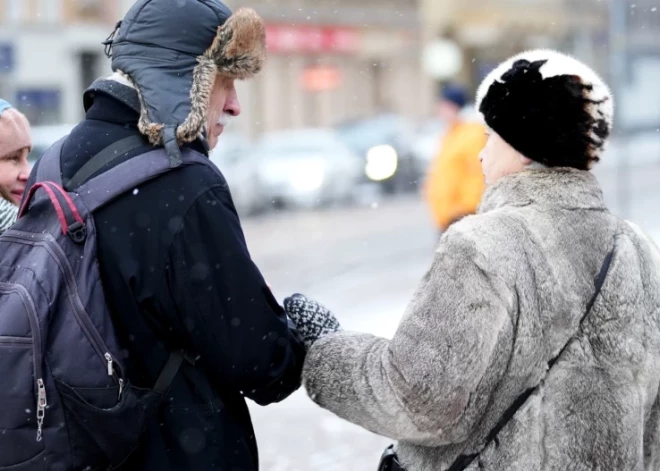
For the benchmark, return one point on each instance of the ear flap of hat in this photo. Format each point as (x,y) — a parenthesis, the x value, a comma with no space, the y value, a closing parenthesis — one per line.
(238,52)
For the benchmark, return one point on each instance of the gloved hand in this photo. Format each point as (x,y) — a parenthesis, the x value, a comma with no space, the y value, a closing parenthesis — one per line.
(312,320)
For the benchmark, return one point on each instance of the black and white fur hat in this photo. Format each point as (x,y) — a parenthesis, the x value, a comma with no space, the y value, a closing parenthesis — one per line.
(550,107)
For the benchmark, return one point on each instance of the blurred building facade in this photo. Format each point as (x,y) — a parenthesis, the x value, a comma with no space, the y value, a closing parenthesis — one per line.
(329,60)
(50,50)
(618,38)
(333,60)
(488,31)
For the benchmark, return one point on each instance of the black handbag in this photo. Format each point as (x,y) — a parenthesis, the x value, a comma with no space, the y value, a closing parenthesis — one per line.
(389,460)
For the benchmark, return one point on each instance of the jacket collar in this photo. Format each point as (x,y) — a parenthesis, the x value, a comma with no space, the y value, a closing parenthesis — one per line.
(118,91)
(550,187)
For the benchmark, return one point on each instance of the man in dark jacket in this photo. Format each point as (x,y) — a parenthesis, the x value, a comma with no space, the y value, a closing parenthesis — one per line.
(174,263)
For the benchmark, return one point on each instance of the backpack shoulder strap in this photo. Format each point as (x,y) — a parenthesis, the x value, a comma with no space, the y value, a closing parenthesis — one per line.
(105,187)
(108,155)
(49,168)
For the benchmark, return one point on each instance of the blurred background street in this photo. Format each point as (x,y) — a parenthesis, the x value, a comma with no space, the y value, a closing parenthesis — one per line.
(364,264)
(327,161)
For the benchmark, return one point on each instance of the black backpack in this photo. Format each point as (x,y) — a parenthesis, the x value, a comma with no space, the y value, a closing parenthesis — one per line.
(66,402)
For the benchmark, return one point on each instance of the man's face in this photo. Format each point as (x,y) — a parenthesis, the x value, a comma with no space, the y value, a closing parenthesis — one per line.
(14,173)
(223,106)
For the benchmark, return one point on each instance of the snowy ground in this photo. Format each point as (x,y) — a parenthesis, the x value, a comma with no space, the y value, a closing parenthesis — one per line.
(364,263)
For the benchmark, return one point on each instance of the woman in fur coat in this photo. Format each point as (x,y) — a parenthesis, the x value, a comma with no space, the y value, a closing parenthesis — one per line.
(533,341)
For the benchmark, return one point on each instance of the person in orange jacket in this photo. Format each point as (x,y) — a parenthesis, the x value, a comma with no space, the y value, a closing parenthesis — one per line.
(455,182)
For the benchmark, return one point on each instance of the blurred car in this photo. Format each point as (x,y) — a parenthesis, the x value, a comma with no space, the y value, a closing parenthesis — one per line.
(427,141)
(385,144)
(45,136)
(305,168)
(232,155)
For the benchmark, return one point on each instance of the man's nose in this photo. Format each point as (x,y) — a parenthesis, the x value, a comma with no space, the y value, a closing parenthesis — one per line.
(232,105)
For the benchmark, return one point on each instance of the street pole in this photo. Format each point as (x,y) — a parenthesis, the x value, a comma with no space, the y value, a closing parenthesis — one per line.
(618,49)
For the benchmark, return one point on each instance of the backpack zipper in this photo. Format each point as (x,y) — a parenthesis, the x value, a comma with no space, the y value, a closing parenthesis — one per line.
(9,288)
(41,408)
(108,358)
(54,249)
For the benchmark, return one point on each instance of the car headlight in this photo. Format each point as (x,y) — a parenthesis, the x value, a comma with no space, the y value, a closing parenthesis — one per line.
(382,162)
(307,176)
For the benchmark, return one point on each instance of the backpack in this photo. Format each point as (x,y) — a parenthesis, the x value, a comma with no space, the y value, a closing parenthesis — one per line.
(66,402)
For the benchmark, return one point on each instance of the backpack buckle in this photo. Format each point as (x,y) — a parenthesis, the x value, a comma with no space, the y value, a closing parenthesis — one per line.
(78,232)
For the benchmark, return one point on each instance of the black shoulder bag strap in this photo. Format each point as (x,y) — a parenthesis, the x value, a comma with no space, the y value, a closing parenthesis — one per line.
(463,461)
(170,370)
(105,158)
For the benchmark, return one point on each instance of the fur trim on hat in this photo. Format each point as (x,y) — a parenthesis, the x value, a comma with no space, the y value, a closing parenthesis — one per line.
(550,107)
(238,52)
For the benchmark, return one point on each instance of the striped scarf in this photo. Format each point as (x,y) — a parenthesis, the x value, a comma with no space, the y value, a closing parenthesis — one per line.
(8,214)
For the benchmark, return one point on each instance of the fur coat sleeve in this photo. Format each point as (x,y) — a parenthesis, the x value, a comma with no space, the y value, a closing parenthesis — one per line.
(430,384)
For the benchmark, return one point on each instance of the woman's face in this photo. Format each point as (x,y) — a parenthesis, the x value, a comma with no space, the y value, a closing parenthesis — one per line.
(499,159)
(14,173)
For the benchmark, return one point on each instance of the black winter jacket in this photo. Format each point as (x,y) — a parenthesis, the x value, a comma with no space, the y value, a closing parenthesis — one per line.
(177,273)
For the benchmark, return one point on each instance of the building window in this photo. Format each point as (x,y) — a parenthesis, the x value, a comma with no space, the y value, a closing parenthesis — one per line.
(39,105)
(50,11)
(89,10)
(85,11)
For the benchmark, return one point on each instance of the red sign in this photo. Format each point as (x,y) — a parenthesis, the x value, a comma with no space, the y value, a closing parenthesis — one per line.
(282,39)
(321,78)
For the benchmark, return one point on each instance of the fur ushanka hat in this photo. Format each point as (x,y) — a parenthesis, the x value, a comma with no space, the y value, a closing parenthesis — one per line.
(172,51)
(550,107)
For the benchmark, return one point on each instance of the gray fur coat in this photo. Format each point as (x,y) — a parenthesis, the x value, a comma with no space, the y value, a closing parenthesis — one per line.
(505,293)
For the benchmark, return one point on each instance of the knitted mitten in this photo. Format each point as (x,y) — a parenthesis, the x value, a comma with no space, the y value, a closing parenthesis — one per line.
(312,320)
